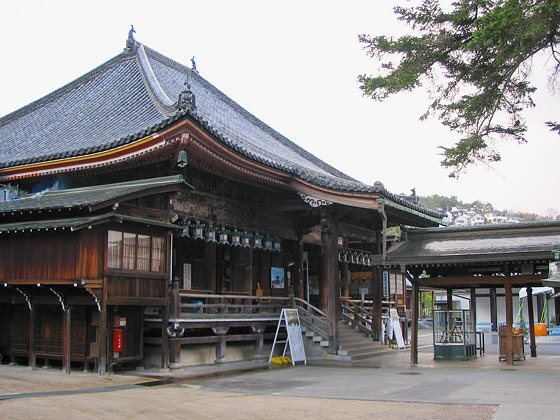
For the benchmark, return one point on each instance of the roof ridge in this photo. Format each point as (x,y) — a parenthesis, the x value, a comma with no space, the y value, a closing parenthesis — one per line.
(255,120)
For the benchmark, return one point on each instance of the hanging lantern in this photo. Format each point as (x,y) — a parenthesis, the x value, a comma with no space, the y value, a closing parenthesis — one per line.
(235,238)
(361,258)
(354,259)
(341,256)
(368,260)
(277,245)
(268,243)
(198,231)
(186,226)
(223,236)
(257,242)
(210,233)
(246,240)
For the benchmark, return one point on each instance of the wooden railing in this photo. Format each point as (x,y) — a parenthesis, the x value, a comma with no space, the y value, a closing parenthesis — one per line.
(312,318)
(357,313)
(193,304)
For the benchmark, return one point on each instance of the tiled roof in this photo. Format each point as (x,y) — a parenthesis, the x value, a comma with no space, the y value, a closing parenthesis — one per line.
(76,223)
(486,242)
(132,96)
(88,196)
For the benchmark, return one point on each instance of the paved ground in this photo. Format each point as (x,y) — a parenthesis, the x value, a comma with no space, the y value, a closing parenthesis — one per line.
(382,387)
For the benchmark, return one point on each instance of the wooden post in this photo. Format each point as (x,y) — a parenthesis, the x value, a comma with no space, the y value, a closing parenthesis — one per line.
(509,320)
(299,280)
(531,312)
(259,343)
(493,309)
(220,345)
(210,265)
(32,353)
(66,339)
(473,305)
(164,338)
(102,369)
(377,303)
(329,274)
(414,333)
(175,348)
(449,299)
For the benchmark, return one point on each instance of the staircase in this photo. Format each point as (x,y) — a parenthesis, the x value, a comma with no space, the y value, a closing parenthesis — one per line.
(354,345)
(355,342)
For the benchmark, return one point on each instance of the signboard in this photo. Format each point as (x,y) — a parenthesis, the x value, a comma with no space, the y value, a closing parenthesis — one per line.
(385,283)
(187,276)
(289,319)
(277,277)
(295,339)
(396,323)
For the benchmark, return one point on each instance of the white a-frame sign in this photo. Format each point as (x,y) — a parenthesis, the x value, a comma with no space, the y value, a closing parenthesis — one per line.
(289,319)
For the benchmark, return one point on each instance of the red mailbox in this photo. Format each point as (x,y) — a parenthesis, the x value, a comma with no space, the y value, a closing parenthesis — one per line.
(117,340)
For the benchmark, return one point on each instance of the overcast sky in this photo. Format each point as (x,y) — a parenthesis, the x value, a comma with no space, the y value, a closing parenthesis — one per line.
(293,64)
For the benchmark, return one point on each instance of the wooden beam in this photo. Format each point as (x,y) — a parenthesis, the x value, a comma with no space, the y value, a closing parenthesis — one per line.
(136,301)
(481,281)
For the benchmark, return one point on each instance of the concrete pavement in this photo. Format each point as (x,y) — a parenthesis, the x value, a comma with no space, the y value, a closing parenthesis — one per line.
(385,386)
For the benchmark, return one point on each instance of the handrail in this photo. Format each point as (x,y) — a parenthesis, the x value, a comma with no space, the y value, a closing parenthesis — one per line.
(360,318)
(312,317)
(309,305)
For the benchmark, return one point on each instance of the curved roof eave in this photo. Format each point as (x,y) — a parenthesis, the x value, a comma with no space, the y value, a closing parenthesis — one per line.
(330,179)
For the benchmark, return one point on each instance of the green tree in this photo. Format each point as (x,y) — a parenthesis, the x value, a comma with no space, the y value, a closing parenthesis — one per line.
(478,56)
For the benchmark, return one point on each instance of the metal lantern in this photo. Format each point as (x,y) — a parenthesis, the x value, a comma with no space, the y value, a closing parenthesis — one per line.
(354,258)
(198,231)
(341,256)
(257,241)
(186,226)
(235,238)
(246,240)
(268,243)
(277,245)
(210,233)
(223,236)
(368,260)
(361,258)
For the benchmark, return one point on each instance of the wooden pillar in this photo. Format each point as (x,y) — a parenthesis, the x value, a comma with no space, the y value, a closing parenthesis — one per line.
(531,312)
(32,353)
(449,299)
(509,321)
(210,266)
(299,275)
(493,309)
(246,256)
(102,368)
(66,339)
(259,343)
(473,304)
(175,348)
(329,274)
(415,315)
(220,345)
(164,338)
(377,303)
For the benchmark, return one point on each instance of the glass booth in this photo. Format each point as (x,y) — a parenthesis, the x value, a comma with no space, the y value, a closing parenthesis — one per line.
(454,335)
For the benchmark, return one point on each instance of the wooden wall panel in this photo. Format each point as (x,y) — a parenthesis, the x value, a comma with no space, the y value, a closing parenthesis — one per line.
(92,249)
(50,255)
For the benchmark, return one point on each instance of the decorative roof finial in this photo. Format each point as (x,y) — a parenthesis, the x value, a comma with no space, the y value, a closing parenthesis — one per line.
(194,65)
(130,41)
(186,99)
